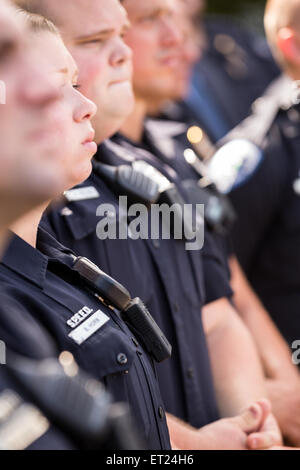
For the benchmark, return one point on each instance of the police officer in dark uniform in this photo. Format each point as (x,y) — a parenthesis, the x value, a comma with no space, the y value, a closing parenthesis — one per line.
(263,186)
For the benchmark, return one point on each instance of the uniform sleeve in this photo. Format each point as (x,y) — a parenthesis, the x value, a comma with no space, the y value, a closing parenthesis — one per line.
(216,269)
(257,201)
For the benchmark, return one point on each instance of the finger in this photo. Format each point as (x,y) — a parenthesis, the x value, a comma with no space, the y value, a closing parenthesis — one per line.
(261,440)
(266,407)
(251,419)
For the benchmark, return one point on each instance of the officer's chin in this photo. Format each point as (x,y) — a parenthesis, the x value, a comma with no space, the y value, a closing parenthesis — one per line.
(83,172)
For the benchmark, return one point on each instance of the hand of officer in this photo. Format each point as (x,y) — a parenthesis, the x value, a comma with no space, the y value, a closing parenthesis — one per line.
(255,428)
(285,398)
(269,433)
(225,434)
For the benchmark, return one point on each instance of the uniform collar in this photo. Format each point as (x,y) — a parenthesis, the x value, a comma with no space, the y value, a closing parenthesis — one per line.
(165,129)
(278,98)
(120,150)
(160,136)
(52,249)
(112,152)
(32,263)
(25,260)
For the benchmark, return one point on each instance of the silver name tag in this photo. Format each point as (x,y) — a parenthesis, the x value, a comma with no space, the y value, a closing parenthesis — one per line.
(81,194)
(89,327)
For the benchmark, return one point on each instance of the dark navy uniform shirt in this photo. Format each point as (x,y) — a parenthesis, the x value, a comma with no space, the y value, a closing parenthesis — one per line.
(22,424)
(267,200)
(168,278)
(42,282)
(167,156)
(163,139)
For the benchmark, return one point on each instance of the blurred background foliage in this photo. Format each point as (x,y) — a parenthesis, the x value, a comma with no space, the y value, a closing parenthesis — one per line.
(247,12)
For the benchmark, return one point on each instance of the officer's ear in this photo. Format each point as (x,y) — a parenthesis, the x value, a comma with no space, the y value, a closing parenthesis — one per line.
(288,43)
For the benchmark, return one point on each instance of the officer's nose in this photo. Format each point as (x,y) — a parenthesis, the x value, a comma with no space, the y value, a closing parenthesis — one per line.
(171,34)
(120,54)
(85,109)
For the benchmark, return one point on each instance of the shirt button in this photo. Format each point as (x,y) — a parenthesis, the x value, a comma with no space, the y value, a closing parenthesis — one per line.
(122,359)
(161,412)
(156,243)
(176,307)
(190,373)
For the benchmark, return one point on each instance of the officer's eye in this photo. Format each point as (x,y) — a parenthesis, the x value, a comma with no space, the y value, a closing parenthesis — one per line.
(76,86)
(148,18)
(152,17)
(93,42)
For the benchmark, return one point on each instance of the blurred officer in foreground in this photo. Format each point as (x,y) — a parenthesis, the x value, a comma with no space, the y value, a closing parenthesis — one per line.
(263,184)
(105,73)
(35,407)
(29,107)
(162,137)
(53,285)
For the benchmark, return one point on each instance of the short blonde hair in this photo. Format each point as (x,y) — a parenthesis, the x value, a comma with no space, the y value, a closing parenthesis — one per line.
(36,7)
(38,23)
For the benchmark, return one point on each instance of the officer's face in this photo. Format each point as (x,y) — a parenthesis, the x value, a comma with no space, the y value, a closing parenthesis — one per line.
(76,111)
(191,51)
(155,40)
(93,32)
(30,122)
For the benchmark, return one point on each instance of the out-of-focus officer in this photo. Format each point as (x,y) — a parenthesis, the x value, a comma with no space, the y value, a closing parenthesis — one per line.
(164,139)
(234,68)
(115,85)
(263,183)
(264,186)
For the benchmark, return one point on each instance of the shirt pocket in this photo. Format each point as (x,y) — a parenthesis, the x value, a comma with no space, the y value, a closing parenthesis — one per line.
(111,357)
(108,351)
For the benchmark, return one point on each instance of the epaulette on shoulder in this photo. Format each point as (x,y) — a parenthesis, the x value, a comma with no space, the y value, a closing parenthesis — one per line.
(279,96)
(241,153)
